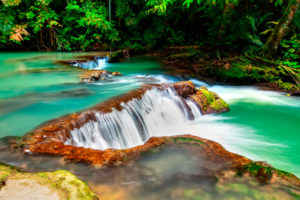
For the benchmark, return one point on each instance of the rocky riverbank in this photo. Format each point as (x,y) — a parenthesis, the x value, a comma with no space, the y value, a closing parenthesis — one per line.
(237,70)
(193,61)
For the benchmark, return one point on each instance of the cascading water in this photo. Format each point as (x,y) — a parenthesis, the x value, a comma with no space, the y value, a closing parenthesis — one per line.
(156,113)
(98,63)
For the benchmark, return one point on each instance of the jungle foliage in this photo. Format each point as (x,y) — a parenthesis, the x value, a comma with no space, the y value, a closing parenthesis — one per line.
(243,26)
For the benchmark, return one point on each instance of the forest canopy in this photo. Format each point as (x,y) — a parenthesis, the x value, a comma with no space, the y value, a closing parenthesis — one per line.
(270,27)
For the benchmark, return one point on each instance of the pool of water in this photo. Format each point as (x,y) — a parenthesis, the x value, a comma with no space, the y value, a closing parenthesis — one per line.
(261,125)
(30,96)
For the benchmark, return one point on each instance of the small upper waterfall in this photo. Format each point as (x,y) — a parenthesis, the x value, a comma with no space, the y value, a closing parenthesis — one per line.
(157,112)
(97,63)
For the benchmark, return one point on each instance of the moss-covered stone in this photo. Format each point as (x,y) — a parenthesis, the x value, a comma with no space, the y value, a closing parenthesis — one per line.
(187,140)
(63,183)
(219,104)
(5,170)
(209,102)
(262,172)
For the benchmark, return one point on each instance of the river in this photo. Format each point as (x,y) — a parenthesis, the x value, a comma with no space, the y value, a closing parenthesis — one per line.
(262,125)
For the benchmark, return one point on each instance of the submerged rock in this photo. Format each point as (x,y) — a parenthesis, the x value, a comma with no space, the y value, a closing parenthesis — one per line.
(95,75)
(58,185)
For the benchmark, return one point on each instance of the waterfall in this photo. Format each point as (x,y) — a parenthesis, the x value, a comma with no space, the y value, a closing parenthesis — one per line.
(157,112)
(97,63)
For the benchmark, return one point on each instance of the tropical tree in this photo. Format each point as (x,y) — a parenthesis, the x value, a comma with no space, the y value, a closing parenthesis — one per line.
(281,28)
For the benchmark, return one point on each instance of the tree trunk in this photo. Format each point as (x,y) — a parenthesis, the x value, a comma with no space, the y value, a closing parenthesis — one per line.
(270,48)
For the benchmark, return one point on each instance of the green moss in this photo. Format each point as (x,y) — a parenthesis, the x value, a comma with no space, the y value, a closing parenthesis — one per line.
(291,192)
(212,100)
(5,171)
(151,151)
(287,86)
(209,95)
(253,168)
(68,183)
(261,172)
(192,194)
(187,140)
(62,181)
(219,104)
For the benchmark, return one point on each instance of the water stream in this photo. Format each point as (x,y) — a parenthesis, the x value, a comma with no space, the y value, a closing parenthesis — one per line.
(262,125)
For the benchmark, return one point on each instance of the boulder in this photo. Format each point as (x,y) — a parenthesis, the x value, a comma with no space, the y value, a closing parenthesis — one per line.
(58,185)
(209,102)
(95,75)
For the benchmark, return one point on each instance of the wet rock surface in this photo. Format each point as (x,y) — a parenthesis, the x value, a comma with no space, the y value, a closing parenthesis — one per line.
(96,75)
(181,167)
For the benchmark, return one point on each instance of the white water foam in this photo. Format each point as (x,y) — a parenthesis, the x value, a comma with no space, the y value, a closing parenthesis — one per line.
(232,94)
(98,63)
(159,113)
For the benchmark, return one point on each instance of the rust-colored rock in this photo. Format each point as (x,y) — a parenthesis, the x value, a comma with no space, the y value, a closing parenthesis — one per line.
(184,89)
(95,75)
(58,130)
(218,161)
(50,137)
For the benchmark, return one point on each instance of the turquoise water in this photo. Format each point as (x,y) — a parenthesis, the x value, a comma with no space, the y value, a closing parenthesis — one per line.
(261,125)
(28,97)
(271,123)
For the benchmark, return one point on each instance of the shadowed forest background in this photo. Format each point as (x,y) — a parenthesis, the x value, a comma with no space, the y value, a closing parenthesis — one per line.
(244,26)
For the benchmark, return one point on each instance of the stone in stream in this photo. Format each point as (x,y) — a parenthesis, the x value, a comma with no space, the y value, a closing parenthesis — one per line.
(209,101)
(87,66)
(95,75)
(58,185)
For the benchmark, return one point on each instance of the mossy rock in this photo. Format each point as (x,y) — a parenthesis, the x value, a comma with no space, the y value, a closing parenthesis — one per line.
(5,170)
(187,140)
(264,173)
(209,102)
(59,185)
